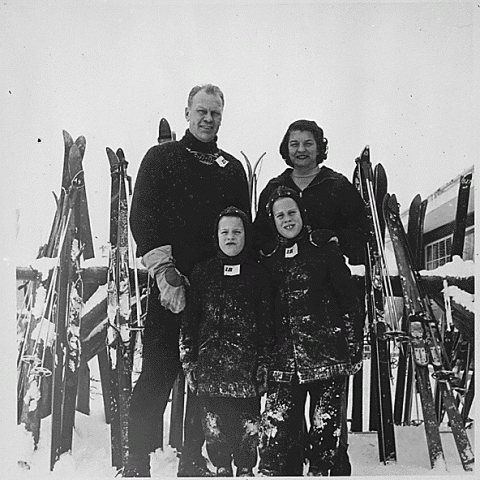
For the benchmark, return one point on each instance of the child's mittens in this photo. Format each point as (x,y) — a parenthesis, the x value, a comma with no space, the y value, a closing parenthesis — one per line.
(354,347)
(190,371)
(322,236)
(354,351)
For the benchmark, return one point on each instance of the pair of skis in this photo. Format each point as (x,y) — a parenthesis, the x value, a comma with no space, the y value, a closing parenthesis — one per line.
(49,359)
(405,375)
(119,335)
(426,347)
(70,239)
(253,172)
(372,185)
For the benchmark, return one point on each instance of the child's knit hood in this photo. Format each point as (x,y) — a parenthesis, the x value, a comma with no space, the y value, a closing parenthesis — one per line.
(281,192)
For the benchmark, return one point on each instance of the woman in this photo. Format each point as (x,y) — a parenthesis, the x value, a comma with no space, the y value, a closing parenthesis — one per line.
(333,205)
(335,211)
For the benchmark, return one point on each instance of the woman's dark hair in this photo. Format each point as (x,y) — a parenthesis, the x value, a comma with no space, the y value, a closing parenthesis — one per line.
(302,126)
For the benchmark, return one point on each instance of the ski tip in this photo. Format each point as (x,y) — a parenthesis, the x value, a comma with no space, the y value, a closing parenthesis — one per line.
(164,131)
(393,203)
(120,154)
(366,151)
(416,200)
(67,138)
(380,169)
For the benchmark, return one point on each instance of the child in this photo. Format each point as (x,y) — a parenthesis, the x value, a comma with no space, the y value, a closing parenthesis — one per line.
(315,349)
(227,328)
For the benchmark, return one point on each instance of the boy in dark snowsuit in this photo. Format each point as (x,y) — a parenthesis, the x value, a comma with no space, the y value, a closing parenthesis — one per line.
(315,347)
(227,328)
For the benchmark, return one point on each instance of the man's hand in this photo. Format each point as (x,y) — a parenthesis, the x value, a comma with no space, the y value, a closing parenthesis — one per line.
(174,277)
(171,283)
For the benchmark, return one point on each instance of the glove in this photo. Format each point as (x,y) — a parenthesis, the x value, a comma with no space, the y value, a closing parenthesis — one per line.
(354,351)
(171,283)
(322,236)
(261,376)
(190,371)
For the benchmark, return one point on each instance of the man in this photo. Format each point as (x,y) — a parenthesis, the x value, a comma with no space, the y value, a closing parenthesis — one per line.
(181,188)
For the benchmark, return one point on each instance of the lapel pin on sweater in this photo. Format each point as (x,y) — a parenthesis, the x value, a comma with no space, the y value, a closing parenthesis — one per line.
(221,161)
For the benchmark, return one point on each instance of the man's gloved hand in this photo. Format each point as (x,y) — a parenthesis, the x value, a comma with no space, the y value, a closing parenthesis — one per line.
(174,277)
(190,371)
(171,283)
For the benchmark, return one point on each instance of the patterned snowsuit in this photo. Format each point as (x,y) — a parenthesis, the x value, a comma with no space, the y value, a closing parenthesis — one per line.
(227,329)
(312,295)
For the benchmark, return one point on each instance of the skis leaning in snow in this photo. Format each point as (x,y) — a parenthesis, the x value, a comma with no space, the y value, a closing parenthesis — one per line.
(119,311)
(372,189)
(405,374)
(68,241)
(49,356)
(427,347)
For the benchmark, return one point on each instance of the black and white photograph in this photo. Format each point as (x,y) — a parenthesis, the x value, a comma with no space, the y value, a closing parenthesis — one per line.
(238,238)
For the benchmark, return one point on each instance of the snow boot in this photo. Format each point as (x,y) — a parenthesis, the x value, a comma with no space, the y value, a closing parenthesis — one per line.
(225,471)
(194,468)
(341,464)
(245,472)
(317,472)
(138,466)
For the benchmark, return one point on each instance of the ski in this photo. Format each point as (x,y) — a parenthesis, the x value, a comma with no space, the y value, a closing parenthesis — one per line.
(84,226)
(66,279)
(461,215)
(427,347)
(119,311)
(253,172)
(75,302)
(404,387)
(375,289)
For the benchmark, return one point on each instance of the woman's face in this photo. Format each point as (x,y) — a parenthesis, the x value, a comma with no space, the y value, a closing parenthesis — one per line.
(302,150)
(287,217)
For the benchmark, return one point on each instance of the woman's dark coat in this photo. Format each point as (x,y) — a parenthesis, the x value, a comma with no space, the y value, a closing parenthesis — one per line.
(331,202)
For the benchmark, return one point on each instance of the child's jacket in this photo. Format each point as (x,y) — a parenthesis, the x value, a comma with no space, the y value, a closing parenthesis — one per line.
(312,294)
(227,326)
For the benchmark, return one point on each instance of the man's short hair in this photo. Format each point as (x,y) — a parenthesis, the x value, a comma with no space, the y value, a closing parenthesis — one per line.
(207,88)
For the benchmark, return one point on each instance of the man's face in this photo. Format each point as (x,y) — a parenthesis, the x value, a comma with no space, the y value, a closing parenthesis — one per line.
(287,217)
(204,116)
(231,235)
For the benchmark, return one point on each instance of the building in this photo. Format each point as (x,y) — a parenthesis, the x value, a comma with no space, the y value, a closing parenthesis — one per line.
(440,223)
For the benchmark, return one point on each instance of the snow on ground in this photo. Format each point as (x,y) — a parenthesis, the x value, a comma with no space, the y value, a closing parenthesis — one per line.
(90,456)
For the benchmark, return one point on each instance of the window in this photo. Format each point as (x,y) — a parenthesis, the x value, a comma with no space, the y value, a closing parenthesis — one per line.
(469,245)
(438,253)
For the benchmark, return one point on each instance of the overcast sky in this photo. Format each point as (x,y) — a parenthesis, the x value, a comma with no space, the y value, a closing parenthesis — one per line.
(398,77)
